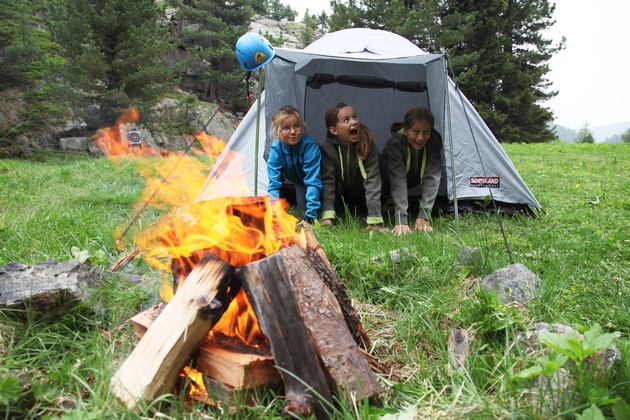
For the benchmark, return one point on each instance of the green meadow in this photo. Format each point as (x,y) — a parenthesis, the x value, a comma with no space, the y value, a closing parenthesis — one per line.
(64,206)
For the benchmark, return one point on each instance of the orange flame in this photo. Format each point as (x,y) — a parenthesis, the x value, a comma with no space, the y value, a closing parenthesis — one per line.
(197,386)
(238,230)
(114,141)
(213,146)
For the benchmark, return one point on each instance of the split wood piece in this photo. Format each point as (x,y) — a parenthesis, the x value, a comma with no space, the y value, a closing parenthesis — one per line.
(320,262)
(458,348)
(122,262)
(269,291)
(345,364)
(154,365)
(237,369)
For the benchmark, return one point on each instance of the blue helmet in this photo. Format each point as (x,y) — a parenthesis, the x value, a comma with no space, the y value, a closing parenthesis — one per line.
(253,51)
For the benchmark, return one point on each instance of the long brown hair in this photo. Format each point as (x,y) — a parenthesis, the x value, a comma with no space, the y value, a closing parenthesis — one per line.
(366,138)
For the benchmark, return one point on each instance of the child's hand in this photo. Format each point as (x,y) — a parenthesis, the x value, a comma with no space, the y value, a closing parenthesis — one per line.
(326,222)
(304,224)
(400,230)
(422,225)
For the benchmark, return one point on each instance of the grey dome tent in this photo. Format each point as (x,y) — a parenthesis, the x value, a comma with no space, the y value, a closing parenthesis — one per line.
(382,75)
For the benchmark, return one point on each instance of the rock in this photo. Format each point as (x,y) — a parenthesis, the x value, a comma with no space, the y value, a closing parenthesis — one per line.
(11,108)
(22,141)
(48,287)
(74,144)
(285,30)
(514,282)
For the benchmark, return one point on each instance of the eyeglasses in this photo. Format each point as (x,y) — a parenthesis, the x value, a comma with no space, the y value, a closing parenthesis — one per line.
(287,130)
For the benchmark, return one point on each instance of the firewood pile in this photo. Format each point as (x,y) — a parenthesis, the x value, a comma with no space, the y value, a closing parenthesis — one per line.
(313,344)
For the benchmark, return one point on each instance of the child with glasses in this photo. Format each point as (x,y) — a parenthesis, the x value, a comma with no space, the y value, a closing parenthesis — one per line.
(295,156)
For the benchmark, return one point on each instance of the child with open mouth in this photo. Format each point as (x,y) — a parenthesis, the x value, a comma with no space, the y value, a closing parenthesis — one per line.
(350,168)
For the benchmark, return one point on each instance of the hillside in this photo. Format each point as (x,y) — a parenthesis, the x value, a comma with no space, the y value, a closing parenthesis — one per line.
(603,134)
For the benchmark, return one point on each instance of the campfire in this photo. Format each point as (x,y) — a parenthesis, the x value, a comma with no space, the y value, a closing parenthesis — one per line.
(252,303)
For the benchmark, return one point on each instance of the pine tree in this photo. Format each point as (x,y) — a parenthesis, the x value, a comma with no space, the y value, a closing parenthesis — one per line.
(585,135)
(496,49)
(307,33)
(504,60)
(208,31)
(115,53)
(25,49)
(625,136)
(408,18)
(278,11)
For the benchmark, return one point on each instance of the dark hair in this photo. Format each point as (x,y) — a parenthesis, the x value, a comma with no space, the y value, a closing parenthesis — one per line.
(366,138)
(418,114)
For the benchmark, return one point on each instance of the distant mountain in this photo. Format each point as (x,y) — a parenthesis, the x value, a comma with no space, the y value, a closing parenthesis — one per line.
(603,134)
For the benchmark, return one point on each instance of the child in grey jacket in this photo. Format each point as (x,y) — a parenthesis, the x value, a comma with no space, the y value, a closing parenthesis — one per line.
(411,158)
(350,167)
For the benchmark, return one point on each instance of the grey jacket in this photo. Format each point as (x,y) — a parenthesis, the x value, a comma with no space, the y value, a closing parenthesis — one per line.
(404,165)
(343,173)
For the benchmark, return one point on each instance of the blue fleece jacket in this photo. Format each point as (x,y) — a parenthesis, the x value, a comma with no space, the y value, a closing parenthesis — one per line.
(299,164)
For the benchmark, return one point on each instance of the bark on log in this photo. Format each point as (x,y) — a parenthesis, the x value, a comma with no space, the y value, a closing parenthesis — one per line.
(345,365)
(269,291)
(320,262)
(154,365)
(289,276)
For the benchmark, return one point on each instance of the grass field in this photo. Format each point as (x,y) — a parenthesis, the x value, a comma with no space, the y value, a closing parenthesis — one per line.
(56,205)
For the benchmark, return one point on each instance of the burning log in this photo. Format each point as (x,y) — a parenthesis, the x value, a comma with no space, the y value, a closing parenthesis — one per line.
(324,319)
(269,291)
(304,322)
(238,369)
(320,262)
(235,367)
(154,365)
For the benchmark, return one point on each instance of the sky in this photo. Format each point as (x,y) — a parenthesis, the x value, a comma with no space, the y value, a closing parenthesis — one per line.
(590,74)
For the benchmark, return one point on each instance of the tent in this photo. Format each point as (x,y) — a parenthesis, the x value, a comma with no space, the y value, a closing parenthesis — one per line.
(382,75)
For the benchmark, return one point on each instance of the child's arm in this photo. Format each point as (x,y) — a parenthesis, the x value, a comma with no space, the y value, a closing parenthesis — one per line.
(274,172)
(398,180)
(329,180)
(312,178)
(432,175)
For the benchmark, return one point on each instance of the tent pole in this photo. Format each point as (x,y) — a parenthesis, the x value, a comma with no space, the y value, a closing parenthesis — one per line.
(450,141)
(261,84)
